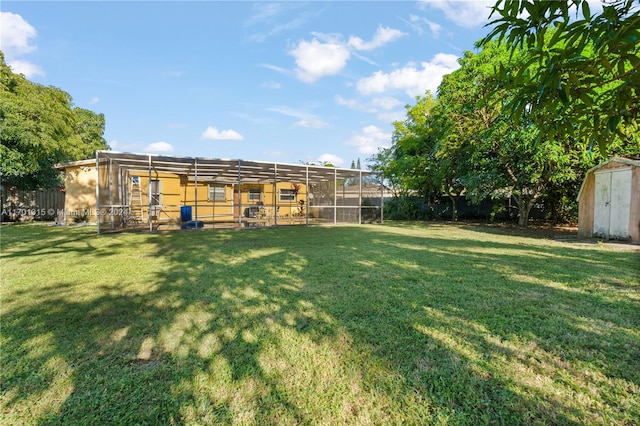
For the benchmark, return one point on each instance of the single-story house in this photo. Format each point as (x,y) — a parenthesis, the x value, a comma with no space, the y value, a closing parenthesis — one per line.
(609,200)
(118,190)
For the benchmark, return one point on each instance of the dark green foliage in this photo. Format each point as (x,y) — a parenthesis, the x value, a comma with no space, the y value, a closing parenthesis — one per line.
(467,142)
(582,75)
(39,127)
(406,207)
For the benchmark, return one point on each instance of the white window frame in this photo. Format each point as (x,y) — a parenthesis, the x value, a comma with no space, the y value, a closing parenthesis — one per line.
(156,197)
(217,191)
(252,193)
(287,195)
(156,193)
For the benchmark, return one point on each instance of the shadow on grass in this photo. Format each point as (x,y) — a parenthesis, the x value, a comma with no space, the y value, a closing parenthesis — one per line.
(329,326)
(39,239)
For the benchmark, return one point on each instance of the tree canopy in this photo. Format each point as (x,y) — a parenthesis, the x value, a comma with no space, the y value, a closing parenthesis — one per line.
(465,142)
(582,75)
(39,127)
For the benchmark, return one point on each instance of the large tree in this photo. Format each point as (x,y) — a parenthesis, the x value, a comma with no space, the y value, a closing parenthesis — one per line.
(39,127)
(552,88)
(409,165)
(496,156)
(459,144)
(582,75)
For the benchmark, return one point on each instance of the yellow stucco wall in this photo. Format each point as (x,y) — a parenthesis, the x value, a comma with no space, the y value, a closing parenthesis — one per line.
(175,192)
(80,196)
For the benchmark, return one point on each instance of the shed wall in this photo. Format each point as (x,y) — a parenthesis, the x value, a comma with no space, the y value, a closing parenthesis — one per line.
(586,205)
(634,213)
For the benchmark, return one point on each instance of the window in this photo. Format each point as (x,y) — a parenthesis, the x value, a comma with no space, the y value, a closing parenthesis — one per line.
(217,193)
(255,195)
(155,192)
(287,195)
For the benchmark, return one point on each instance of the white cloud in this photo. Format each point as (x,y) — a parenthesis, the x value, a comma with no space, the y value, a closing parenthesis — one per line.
(382,36)
(382,106)
(369,140)
(159,147)
(391,116)
(26,68)
(311,123)
(416,23)
(354,104)
(117,145)
(412,79)
(466,14)
(327,54)
(276,68)
(305,119)
(16,34)
(331,158)
(218,135)
(434,27)
(270,19)
(15,41)
(315,59)
(271,85)
(94,100)
(264,12)
(386,102)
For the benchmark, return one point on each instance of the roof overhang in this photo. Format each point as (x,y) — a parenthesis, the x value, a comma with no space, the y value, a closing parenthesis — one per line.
(219,170)
(80,163)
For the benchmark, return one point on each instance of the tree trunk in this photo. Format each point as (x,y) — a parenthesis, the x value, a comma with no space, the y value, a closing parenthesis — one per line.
(454,207)
(524,208)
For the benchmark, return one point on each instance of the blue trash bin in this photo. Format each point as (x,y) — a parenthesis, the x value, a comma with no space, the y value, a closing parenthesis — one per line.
(185,213)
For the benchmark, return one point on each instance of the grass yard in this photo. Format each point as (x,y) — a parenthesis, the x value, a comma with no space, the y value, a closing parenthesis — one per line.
(395,324)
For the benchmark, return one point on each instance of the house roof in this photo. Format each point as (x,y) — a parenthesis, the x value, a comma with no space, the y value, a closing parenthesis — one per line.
(88,162)
(219,170)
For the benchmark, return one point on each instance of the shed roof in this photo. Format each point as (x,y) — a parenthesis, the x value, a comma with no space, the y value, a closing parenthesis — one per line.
(622,160)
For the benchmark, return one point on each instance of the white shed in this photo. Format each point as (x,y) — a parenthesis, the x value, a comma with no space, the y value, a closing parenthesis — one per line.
(609,200)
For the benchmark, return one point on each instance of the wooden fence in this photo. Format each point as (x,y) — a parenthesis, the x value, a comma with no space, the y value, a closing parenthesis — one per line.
(31,205)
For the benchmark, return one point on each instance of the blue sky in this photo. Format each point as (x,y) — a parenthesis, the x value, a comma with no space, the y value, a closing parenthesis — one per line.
(272,81)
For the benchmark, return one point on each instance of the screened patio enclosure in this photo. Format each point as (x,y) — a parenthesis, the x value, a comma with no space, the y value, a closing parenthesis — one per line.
(167,192)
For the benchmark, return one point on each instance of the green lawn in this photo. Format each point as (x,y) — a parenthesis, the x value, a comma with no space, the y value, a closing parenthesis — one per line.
(394,324)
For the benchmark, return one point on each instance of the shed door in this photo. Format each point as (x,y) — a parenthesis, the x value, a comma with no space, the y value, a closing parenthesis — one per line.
(612,203)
